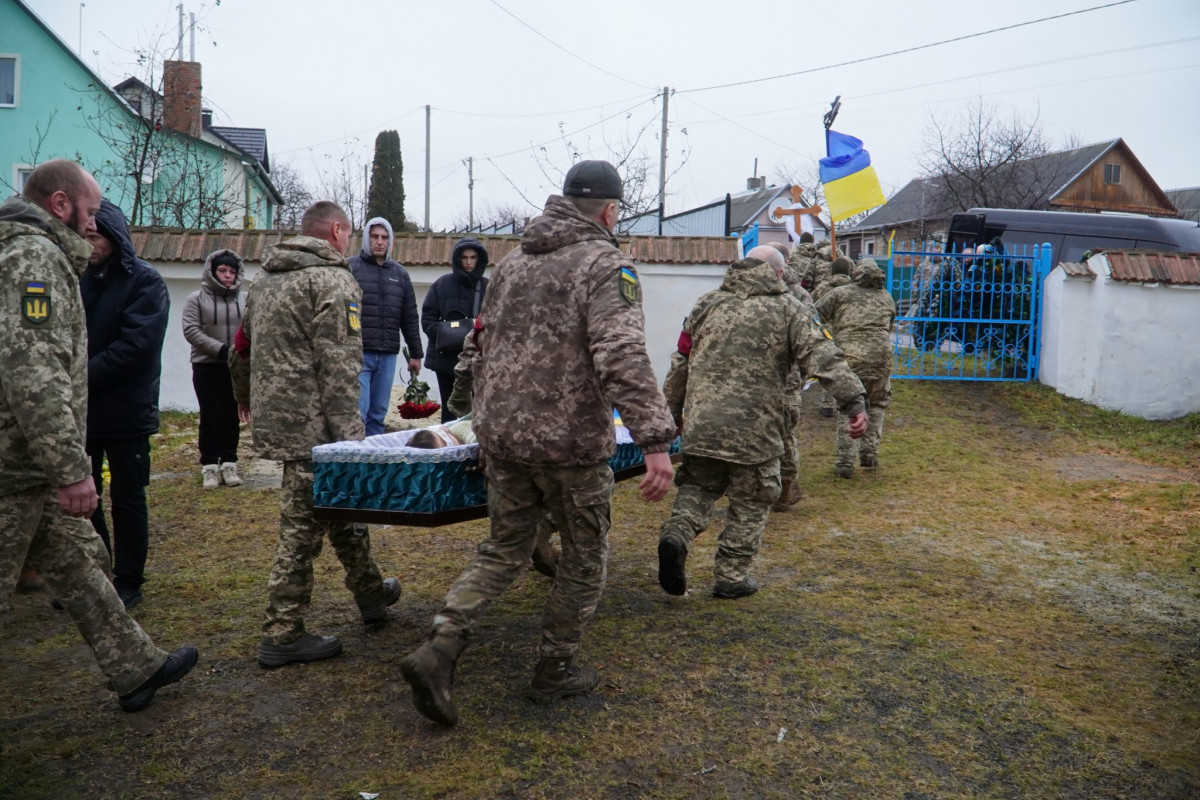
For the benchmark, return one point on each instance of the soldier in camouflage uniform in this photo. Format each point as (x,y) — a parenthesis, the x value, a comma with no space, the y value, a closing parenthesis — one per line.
(46,486)
(738,346)
(860,315)
(562,341)
(826,277)
(304,341)
(793,402)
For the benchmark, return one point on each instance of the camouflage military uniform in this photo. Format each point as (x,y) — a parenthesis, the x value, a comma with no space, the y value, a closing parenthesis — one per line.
(861,315)
(562,342)
(738,346)
(302,388)
(827,405)
(43,408)
(789,465)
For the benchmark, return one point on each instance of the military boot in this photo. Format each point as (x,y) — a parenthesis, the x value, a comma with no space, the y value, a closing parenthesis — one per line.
(374,609)
(430,671)
(672,561)
(869,460)
(556,678)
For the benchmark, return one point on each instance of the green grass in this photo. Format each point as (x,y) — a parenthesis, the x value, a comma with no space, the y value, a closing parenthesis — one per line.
(1007,608)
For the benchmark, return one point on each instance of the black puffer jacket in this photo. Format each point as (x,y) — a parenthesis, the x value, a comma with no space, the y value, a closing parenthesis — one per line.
(127,312)
(453,297)
(389,303)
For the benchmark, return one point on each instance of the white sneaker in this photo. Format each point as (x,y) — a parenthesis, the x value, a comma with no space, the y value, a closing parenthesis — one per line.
(229,474)
(211,475)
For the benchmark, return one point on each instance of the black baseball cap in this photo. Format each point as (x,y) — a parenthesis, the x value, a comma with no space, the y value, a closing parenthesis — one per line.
(593,179)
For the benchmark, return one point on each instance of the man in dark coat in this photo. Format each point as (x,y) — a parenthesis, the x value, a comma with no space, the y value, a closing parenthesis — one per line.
(126,303)
(454,297)
(389,309)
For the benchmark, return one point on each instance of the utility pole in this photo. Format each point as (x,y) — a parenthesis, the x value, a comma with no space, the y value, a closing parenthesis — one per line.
(366,191)
(180,50)
(191,36)
(662,163)
(427,167)
(80,49)
(470,162)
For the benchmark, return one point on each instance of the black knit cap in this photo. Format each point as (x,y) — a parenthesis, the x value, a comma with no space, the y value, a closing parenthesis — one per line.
(593,179)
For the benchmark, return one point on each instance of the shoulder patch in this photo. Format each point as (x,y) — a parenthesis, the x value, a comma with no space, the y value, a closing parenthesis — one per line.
(821,328)
(35,303)
(630,289)
(352,317)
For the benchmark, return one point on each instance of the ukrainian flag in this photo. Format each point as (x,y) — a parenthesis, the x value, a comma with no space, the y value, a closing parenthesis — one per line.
(851,184)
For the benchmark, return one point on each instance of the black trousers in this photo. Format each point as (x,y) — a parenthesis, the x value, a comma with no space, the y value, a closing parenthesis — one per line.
(129,471)
(219,428)
(445,386)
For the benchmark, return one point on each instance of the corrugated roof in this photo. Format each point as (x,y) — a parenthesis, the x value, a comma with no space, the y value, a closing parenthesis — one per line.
(417,249)
(1187,201)
(1150,266)
(1076,269)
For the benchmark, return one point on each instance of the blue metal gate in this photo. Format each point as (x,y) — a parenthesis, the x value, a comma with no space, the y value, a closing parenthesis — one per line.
(967,316)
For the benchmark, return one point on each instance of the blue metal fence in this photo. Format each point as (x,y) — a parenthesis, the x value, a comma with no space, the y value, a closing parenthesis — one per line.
(967,315)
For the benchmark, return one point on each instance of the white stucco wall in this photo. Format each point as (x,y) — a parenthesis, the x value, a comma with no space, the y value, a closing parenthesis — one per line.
(669,291)
(1129,347)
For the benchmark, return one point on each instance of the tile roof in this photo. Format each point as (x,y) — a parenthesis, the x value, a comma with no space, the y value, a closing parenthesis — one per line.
(251,141)
(1076,269)
(1149,266)
(417,249)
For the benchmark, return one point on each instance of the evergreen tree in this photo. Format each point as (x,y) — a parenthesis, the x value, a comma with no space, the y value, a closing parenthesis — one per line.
(386,197)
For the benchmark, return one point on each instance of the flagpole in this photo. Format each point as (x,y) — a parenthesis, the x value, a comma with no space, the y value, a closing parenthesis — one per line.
(830,116)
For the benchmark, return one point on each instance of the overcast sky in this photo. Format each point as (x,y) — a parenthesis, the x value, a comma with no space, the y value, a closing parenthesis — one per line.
(506,77)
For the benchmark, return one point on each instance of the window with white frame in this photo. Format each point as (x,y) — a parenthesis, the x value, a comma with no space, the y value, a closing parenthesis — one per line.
(869,247)
(9,80)
(21,173)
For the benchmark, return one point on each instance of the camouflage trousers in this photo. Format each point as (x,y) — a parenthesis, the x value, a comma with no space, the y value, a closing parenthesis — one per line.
(751,489)
(519,495)
(849,451)
(789,465)
(828,401)
(69,554)
(300,541)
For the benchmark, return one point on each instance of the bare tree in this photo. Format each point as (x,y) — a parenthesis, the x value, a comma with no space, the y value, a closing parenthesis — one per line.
(627,152)
(34,154)
(342,180)
(295,193)
(980,158)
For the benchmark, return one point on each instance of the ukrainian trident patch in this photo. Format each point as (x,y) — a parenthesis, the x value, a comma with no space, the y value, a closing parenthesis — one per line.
(35,303)
(352,318)
(631,291)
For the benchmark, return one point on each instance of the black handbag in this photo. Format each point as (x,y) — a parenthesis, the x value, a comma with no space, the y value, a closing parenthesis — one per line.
(452,331)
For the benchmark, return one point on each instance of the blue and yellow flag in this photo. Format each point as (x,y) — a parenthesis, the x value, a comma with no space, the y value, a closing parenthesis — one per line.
(851,184)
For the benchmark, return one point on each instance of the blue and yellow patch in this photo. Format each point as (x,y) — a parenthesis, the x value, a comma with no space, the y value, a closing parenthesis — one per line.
(821,328)
(36,303)
(352,317)
(627,283)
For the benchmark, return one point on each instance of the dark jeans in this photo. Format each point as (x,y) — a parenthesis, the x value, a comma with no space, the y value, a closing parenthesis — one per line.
(219,428)
(445,386)
(129,471)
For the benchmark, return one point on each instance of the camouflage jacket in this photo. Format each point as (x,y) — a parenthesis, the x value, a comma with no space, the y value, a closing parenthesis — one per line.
(305,351)
(860,316)
(43,350)
(562,342)
(833,282)
(737,348)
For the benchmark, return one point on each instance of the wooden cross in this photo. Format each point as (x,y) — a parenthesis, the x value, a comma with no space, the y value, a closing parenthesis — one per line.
(796,212)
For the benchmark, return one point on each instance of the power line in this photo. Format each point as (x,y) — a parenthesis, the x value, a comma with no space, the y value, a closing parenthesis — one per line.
(538,114)
(565,50)
(905,50)
(346,136)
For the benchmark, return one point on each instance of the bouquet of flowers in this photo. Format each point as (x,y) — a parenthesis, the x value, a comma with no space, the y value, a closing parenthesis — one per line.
(417,404)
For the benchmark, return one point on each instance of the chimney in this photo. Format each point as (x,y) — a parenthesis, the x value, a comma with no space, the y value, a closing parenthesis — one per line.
(206,118)
(754,184)
(181,96)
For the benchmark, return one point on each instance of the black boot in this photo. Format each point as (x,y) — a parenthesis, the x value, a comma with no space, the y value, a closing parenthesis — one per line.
(374,611)
(430,671)
(672,559)
(556,678)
